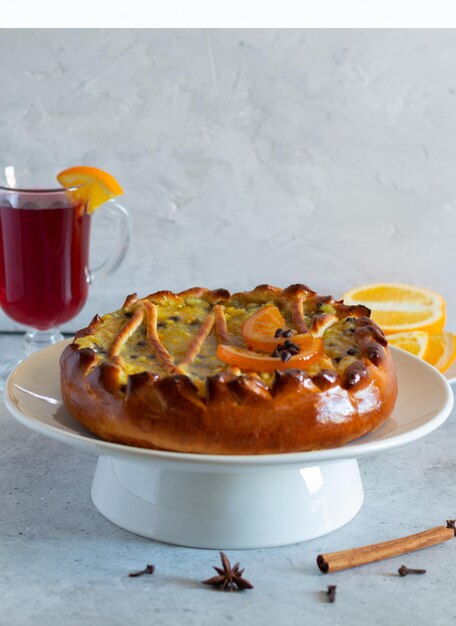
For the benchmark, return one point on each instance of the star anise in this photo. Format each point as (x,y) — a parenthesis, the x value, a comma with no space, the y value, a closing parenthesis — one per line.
(229,578)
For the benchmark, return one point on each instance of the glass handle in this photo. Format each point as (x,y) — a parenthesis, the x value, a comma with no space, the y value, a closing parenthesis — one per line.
(120,248)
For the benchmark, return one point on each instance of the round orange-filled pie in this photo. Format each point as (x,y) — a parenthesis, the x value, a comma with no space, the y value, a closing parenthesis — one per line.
(256,372)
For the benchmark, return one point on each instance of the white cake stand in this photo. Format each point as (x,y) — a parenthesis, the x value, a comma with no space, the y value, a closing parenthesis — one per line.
(227,502)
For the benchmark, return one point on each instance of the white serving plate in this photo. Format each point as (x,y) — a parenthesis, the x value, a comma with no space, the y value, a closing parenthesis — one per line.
(215,501)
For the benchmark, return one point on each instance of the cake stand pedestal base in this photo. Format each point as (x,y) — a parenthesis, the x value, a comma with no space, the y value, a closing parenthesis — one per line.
(216,501)
(231,509)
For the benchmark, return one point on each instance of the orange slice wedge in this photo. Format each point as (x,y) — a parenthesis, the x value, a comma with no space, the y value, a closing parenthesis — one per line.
(442,351)
(439,350)
(253,361)
(259,330)
(416,342)
(95,186)
(398,308)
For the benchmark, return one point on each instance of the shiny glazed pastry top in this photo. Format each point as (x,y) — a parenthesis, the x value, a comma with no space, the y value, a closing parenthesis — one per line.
(257,372)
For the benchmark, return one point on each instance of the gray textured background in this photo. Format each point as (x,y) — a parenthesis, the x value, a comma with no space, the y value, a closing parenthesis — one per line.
(247,156)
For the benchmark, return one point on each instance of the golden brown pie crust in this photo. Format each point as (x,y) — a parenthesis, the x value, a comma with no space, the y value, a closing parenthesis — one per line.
(168,407)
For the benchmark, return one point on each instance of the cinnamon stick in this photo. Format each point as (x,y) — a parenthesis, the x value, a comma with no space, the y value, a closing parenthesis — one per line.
(345,559)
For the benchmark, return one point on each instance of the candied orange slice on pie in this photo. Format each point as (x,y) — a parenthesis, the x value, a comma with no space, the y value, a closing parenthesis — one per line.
(267,328)
(95,186)
(254,361)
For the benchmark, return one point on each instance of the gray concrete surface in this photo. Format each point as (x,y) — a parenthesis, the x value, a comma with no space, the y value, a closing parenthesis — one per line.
(63,564)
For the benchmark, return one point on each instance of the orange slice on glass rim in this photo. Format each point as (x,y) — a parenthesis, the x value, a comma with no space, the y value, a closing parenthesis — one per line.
(257,362)
(94,186)
(260,328)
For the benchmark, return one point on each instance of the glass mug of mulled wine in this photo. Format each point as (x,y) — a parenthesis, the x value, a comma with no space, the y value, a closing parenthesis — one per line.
(44,256)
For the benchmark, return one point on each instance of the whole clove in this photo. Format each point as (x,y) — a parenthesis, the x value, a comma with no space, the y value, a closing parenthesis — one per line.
(331,593)
(149,569)
(404,570)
